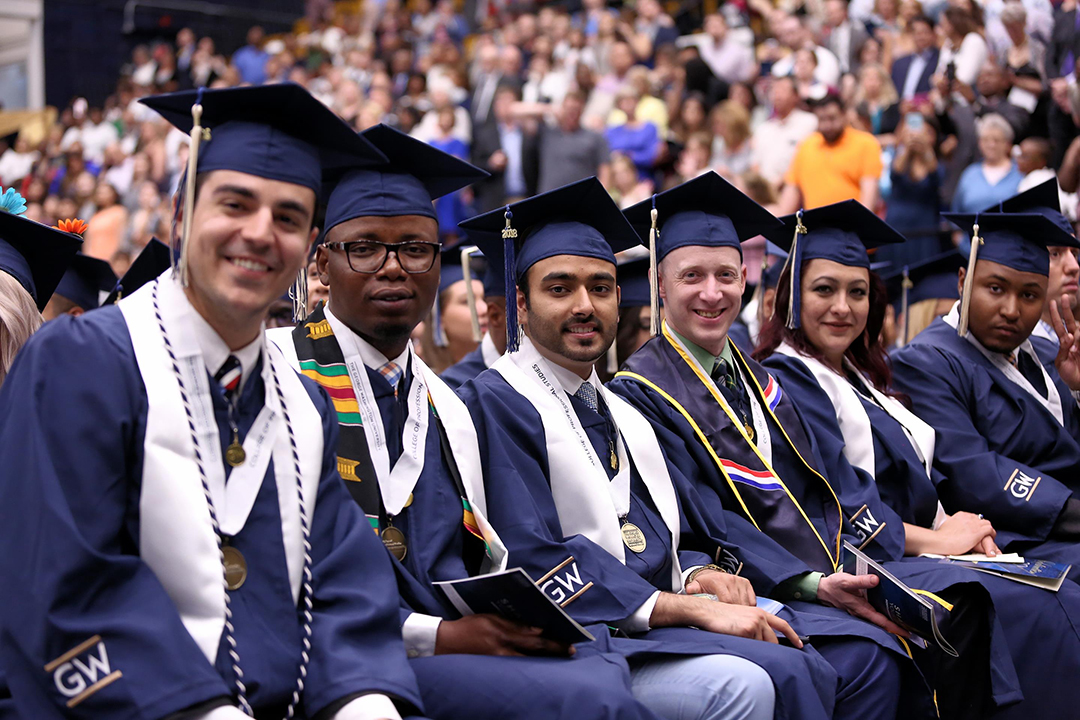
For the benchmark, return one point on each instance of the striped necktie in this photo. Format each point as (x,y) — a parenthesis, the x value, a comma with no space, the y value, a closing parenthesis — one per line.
(228,376)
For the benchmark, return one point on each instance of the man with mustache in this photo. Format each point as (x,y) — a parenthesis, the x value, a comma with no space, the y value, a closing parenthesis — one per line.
(407,449)
(1008,425)
(584,498)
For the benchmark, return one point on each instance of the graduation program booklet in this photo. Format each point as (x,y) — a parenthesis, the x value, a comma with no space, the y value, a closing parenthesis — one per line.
(513,595)
(897,601)
(1037,573)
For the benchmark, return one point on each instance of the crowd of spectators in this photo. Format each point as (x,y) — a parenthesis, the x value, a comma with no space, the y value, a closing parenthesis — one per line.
(909,107)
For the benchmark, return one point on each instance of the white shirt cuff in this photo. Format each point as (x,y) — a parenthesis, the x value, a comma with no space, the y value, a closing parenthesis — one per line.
(419,632)
(639,621)
(369,707)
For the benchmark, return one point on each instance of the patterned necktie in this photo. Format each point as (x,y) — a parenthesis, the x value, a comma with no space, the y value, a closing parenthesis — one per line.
(228,376)
(392,373)
(722,374)
(586,393)
(727,381)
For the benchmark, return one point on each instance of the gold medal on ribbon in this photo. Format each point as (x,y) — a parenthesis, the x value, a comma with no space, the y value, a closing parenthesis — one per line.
(236,571)
(234,454)
(614,460)
(394,540)
(633,538)
(749,430)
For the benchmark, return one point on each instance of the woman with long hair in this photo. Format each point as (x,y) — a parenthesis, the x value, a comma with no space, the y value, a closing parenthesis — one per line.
(825,350)
(448,334)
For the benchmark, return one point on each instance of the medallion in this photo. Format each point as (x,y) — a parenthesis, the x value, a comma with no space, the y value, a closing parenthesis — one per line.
(394,540)
(633,537)
(235,567)
(234,454)
(614,460)
(749,430)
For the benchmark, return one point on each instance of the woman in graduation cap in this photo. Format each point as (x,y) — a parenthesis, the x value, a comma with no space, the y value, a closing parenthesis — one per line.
(824,346)
(33,259)
(458,319)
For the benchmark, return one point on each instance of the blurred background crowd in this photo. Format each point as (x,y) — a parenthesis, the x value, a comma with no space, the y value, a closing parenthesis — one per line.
(910,107)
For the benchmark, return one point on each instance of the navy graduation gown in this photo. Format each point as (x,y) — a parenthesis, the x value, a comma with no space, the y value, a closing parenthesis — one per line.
(1042,638)
(999,451)
(69,500)
(593,586)
(465,369)
(594,685)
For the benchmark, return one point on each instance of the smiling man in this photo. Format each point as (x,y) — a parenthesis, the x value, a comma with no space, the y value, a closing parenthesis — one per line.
(584,498)
(412,464)
(1008,426)
(183,544)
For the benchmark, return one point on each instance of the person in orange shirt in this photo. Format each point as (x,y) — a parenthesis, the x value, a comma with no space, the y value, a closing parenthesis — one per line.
(834,164)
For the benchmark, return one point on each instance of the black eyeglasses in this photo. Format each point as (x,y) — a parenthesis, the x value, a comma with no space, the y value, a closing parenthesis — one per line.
(366,256)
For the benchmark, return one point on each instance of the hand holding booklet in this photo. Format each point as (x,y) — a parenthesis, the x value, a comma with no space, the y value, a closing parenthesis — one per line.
(513,595)
(898,602)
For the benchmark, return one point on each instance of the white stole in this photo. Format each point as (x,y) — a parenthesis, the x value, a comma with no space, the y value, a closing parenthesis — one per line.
(579,482)
(176,535)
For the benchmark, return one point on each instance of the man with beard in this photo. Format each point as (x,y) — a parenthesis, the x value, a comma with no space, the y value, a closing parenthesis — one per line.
(834,164)
(584,498)
(1008,425)
(407,450)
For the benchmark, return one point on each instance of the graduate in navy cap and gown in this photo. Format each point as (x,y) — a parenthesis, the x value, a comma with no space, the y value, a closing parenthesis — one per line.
(1008,425)
(186,547)
(33,259)
(923,291)
(1064,274)
(737,439)
(493,343)
(408,450)
(584,498)
(458,319)
(833,363)
(635,321)
(82,288)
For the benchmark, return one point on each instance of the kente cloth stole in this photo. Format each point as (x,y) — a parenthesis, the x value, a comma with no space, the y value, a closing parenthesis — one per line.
(755,488)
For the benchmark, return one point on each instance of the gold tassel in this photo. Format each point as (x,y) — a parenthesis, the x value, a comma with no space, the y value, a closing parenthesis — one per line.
(197,134)
(654,281)
(969,282)
(470,296)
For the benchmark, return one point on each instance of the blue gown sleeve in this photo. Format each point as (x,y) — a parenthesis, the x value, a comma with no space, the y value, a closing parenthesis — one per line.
(975,477)
(590,584)
(764,562)
(854,486)
(88,631)
(356,633)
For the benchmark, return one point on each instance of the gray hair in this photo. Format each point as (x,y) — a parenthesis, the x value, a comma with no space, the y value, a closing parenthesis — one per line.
(19,319)
(1014,12)
(993,121)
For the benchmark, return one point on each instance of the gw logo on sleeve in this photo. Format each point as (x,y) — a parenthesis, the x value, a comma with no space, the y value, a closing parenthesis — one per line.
(866,525)
(82,671)
(562,584)
(1022,485)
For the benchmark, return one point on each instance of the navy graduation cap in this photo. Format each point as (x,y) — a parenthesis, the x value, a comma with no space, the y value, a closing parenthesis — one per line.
(154,259)
(85,281)
(414,175)
(1015,240)
(1042,199)
(634,283)
(578,219)
(456,264)
(707,211)
(34,254)
(842,232)
(931,279)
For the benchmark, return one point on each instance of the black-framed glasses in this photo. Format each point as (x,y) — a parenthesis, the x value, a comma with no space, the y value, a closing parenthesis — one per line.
(367,256)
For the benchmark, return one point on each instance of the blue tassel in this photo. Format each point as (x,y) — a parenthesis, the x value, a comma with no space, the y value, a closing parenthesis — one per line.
(794,320)
(509,235)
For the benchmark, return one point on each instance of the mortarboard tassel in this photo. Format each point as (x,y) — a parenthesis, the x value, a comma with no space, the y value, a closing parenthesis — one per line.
(613,357)
(298,293)
(969,280)
(509,237)
(654,280)
(188,184)
(794,262)
(438,332)
(905,286)
(470,296)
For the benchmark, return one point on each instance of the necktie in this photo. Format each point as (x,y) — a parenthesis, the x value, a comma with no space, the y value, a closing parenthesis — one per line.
(228,376)
(727,380)
(1031,371)
(392,372)
(587,394)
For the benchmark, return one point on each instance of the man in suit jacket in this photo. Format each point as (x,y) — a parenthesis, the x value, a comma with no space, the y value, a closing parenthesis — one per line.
(507,149)
(846,36)
(911,73)
(1061,57)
